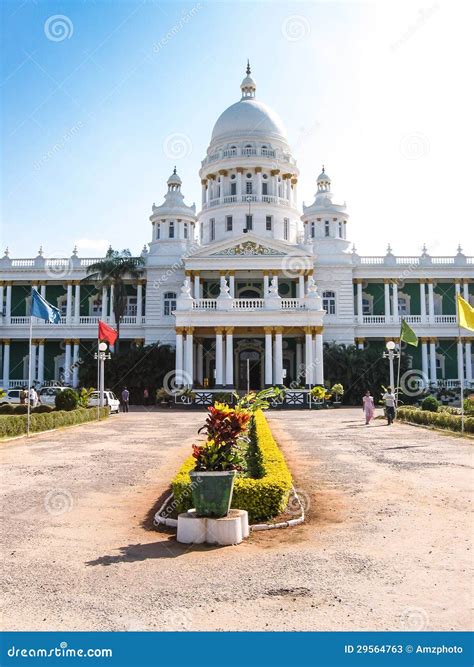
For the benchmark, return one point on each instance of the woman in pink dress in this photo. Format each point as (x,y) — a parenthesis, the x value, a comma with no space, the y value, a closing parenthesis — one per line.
(369,408)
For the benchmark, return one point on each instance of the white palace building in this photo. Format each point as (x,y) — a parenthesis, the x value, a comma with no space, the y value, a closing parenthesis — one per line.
(249,281)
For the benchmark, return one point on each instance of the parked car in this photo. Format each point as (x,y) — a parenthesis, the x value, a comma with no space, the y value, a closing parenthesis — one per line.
(47,395)
(110,399)
(11,396)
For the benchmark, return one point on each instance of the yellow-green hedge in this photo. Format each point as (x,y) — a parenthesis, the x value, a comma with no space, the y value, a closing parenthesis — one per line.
(263,498)
(13,425)
(439,419)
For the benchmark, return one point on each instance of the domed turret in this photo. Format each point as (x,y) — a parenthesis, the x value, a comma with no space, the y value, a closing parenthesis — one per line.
(173,221)
(325,222)
(248,86)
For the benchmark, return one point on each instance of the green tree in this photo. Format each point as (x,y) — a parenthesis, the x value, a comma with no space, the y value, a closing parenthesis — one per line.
(115,269)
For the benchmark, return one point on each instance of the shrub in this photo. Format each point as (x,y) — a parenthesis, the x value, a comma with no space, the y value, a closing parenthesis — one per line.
(66,399)
(442,419)
(430,404)
(7,409)
(469,406)
(262,498)
(13,425)
(20,409)
(338,390)
(42,409)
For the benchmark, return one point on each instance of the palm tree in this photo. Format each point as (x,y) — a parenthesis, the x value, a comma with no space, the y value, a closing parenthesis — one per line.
(116,267)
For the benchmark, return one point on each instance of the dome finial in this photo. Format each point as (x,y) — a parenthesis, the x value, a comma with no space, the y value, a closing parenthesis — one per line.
(249,71)
(174,170)
(324,171)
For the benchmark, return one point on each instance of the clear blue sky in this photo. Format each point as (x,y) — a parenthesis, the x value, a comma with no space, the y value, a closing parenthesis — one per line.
(366,89)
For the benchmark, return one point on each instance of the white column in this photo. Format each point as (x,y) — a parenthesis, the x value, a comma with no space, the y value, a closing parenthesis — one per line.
(432,362)
(313,367)
(219,354)
(299,361)
(387,302)
(259,183)
(301,282)
(229,358)
(41,361)
(424,360)
(395,311)
(430,303)
(139,302)
(203,192)
(288,189)
(33,360)
(43,290)
(266,284)
(460,362)
(224,347)
(468,351)
(179,375)
(222,189)
(200,362)
(6,364)
(75,364)
(104,304)
(268,357)
(465,291)
(1,298)
(77,303)
(232,285)
(239,185)
(422,301)
(112,315)
(67,363)
(308,356)
(360,343)
(278,356)
(360,310)
(319,364)
(8,304)
(457,291)
(69,303)
(197,286)
(189,366)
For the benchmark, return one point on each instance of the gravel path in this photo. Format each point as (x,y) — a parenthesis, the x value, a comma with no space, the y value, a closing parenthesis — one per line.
(388,544)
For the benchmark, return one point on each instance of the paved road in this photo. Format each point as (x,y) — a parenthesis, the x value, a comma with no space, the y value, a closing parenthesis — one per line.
(388,543)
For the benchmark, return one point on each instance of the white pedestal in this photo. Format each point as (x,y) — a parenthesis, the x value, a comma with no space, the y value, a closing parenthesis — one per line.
(230,529)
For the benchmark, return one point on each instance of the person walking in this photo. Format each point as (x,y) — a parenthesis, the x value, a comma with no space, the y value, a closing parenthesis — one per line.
(389,400)
(33,396)
(368,407)
(23,396)
(146,396)
(125,399)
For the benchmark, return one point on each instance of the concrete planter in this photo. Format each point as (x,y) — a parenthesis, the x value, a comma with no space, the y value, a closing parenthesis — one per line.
(212,492)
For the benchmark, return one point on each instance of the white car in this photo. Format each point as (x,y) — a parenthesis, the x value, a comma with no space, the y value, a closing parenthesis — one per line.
(47,395)
(110,399)
(11,396)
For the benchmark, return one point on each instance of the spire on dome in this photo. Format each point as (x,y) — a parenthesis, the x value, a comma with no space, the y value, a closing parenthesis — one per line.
(324,182)
(248,86)
(174,182)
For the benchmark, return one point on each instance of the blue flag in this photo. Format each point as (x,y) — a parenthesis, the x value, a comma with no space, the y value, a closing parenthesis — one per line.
(44,310)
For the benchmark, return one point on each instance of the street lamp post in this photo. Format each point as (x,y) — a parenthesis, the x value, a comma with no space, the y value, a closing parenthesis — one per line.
(391,355)
(101,356)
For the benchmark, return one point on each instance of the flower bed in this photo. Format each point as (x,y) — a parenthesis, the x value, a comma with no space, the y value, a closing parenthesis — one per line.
(441,419)
(13,425)
(263,498)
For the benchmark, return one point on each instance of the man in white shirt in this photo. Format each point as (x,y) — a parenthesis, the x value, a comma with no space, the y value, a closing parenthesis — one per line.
(389,399)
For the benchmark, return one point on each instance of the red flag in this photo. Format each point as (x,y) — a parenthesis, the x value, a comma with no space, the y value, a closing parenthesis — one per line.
(107,333)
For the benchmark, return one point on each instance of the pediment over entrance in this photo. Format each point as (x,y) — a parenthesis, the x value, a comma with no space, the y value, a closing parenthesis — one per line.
(248,246)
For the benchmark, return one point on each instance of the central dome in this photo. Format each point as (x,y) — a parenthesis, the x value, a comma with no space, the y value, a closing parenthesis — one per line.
(249,118)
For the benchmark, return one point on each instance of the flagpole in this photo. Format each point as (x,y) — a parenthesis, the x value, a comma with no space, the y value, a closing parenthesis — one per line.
(399,363)
(98,379)
(461,380)
(28,418)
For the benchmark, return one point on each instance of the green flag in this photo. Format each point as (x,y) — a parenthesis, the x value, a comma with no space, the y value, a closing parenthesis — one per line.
(408,335)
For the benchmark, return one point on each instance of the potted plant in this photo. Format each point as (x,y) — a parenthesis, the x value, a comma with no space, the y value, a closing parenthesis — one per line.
(318,395)
(338,391)
(218,460)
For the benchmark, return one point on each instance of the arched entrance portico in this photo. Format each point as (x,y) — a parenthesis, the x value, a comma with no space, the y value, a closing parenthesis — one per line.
(249,363)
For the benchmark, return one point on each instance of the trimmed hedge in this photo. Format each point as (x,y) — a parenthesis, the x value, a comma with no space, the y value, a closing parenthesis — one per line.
(263,498)
(441,419)
(13,425)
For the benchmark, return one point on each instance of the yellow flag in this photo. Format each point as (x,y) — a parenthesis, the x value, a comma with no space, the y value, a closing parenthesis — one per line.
(465,314)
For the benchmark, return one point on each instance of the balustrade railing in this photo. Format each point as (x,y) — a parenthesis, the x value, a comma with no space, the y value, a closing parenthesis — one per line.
(248,304)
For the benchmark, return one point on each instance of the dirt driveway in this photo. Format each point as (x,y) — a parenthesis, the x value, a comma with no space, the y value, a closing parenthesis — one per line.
(388,544)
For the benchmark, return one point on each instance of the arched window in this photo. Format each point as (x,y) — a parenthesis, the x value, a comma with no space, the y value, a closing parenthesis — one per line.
(171,230)
(169,303)
(326,228)
(158,231)
(313,229)
(329,302)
